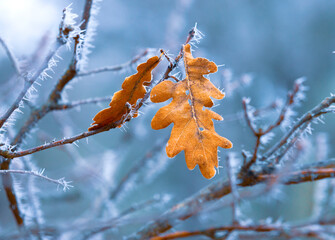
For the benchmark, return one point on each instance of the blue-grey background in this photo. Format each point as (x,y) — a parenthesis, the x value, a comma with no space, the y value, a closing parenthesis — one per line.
(275,42)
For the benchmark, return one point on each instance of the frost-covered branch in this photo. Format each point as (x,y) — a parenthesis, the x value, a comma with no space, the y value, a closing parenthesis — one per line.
(196,203)
(60,182)
(65,33)
(42,73)
(64,106)
(294,97)
(112,223)
(37,114)
(323,108)
(320,109)
(11,155)
(48,63)
(257,169)
(11,56)
(279,230)
(131,174)
(307,175)
(256,113)
(230,166)
(68,31)
(194,33)
(114,68)
(71,72)
(324,190)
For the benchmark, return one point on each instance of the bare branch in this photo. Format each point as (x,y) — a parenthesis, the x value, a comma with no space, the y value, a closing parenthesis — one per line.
(40,73)
(233,187)
(216,191)
(11,56)
(245,103)
(54,97)
(172,66)
(316,112)
(7,183)
(307,175)
(290,101)
(134,170)
(116,67)
(281,152)
(257,112)
(70,73)
(107,225)
(65,184)
(11,155)
(29,82)
(169,69)
(74,104)
(322,108)
(193,205)
(281,230)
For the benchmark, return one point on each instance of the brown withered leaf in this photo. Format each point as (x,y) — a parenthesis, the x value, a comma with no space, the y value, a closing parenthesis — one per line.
(125,100)
(193,130)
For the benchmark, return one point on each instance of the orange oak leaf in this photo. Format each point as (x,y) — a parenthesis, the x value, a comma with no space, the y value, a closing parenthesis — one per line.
(193,130)
(125,100)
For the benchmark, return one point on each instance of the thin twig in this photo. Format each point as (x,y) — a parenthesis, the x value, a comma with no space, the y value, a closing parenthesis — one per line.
(314,113)
(7,183)
(54,97)
(11,56)
(233,187)
(281,153)
(290,101)
(257,112)
(61,181)
(11,155)
(258,134)
(55,94)
(74,104)
(12,83)
(216,191)
(307,117)
(133,209)
(28,83)
(116,67)
(246,115)
(6,179)
(179,56)
(134,170)
(53,100)
(308,175)
(169,69)
(283,230)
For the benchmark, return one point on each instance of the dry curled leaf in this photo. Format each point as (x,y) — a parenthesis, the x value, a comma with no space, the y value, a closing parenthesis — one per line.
(124,101)
(193,130)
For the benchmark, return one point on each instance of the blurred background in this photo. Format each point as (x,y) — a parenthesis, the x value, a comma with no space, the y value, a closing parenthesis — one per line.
(264,46)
